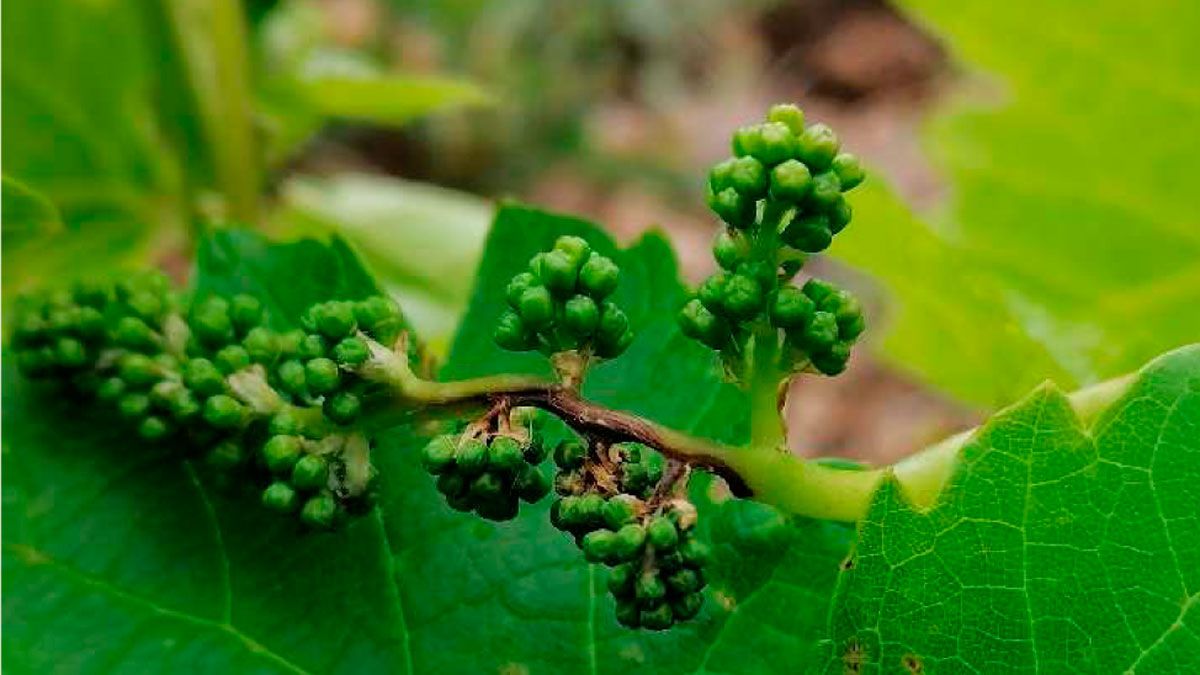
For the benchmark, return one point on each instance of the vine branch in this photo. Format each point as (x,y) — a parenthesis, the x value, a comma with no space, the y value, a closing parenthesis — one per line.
(767,473)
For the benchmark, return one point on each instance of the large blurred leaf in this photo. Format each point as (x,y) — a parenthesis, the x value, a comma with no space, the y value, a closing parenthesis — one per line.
(418,239)
(1071,242)
(26,212)
(80,127)
(1053,549)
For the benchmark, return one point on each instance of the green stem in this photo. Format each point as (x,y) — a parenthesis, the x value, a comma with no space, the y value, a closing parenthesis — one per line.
(790,483)
(766,426)
(211,38)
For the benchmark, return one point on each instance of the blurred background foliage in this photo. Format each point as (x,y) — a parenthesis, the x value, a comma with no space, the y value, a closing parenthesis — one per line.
(1030,215)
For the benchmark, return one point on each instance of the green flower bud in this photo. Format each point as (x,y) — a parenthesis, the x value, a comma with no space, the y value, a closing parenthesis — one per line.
(817,147)
(262,345)
(790,181)
(537,306)
(336,320)
(730,249)
(486,487)
(649,590)
(598,545)
(613,326)
(576,249)
(687,607)
(133,406)
(319,511)
(695,552)
(711,292)
(92,293)
(202,377)
(342,407)
(661,534)
(224,412)
(569,454)
(452,486)
(292,378)
(621,510)
(505,455)
(599,276)
(849,171)
(513,334)
(281,453)
(312,347)
(775,143)
(749,177)
(839,215)
(581,315)
(138,370)
(820,333)
(684,581)
(720,177)
(621,578)
(70,353)
(531,484)
(210,322)
(281,497)
(133,333)
(628,614)
(147,306)
(516,287)
(791,308)
(851,328)
(559,272)
(742,297)
(818,290)
(700,324)
(834,360)
(154,428)
(659,617)
(629,542)
(471,457)
(809,233)
(564,513)
(322,375)
(310,472)
(825,192)
(438,454)
(788,115)
(245,311)
(730,206)
(90,323)
(232,359)
(111,389)
(591,509)
(501,509)
(380,317)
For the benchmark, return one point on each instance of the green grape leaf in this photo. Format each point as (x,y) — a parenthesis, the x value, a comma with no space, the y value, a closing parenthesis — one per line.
(1070,242)
(1054,548)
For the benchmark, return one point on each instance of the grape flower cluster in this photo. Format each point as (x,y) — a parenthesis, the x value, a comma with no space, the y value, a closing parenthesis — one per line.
(211,371)
(781,198)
